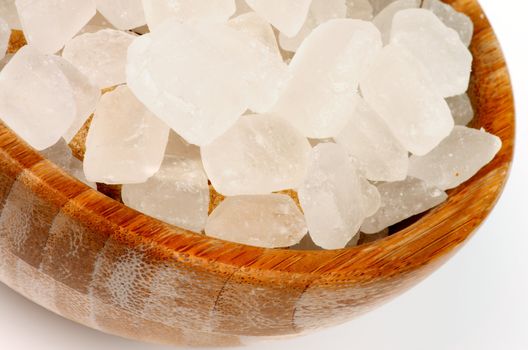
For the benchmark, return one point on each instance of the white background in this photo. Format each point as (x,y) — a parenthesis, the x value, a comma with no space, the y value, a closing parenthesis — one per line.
(478,301)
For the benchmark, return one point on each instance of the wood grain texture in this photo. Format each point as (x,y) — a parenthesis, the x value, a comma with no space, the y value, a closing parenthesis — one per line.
(93,260)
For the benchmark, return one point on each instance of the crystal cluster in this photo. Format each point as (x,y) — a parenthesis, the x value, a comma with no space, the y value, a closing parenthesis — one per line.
(275,123)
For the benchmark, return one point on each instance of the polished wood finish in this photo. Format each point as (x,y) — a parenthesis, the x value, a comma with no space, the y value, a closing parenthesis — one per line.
(93,260)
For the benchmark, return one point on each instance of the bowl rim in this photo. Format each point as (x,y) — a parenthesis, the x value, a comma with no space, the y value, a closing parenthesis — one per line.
(435,235)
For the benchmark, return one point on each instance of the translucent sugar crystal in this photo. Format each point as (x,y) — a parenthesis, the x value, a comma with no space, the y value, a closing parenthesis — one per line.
(359,9)
(259,155)
(257,28)
(126,142)
(461,109)
(37,101)
(178,193)
(269,221)
(371,198)
(370,141)
(383,20)
(61,154)
(9,13)
(85,93)
(288,16)
(101,56)
(458,158)
(320,12)
(379,5)
(5,34)
(402,200)
(123,14)
(399,89)
(203,93)
(327,68)
(157,11)
(437,47)
(332,197)
(49,24)
(241,8)
(458,21)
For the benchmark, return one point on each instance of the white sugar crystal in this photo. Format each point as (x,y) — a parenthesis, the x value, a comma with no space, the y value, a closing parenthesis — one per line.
(157,11)
(327,68)
(399,89)
(452,18)
(257,28)
(332,197)
(178,193)
(5,34)
(269,221)
(123,14)
(369,140)
(402,200)
(371,198)
(9,13)
(438,47)
(62,156)
(37,101)
(320,12)
(461,109)
(85,93)
(101,56)
(203,93)
(126,142)
(383,20)
(359,9)
(457,158)
(49,24)
(259,155)
(288,16)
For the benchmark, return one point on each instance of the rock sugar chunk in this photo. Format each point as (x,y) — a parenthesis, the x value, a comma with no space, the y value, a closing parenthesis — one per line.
(62,156)
(359,9)
(36,99)
(203,93)
(126,142)
(157,11)
(458,21)
(399,89)
(458,158)
(332,197)
(85,93)
(101,56)
(371,198)
(49,24)
(320,12)
(123,14)
(8,12)
(402,200)
(439,48)
(461,109)
(383,20)
(269,221)
(256,28)
(288,16)
(5,34)
(370,141)
(259,155)
(323,90)
(178,193)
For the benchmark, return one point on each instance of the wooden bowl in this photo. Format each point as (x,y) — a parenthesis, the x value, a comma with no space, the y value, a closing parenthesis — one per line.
(99,263)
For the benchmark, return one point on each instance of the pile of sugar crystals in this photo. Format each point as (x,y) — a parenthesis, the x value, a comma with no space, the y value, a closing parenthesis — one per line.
(319,123)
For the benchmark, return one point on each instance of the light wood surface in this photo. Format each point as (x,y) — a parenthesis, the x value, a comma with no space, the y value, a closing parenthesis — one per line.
(91,259)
